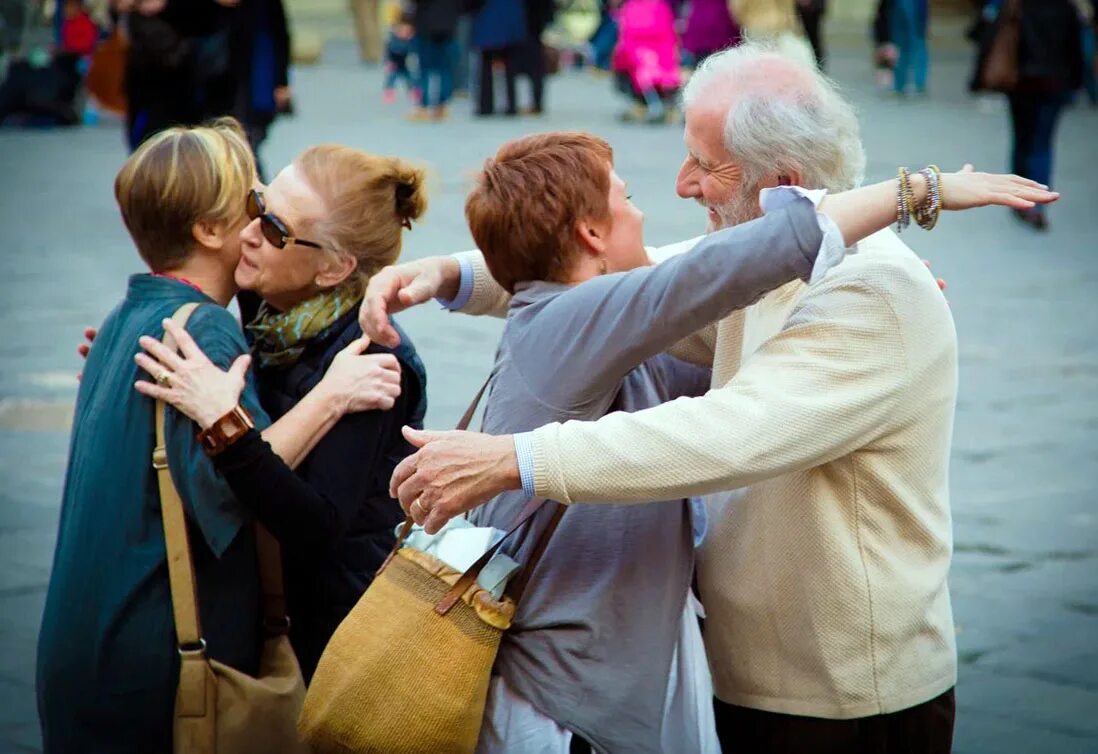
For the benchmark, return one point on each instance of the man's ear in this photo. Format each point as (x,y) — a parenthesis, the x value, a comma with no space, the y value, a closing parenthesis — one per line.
(208,235)
(591,237)
(334,270)
(789,178)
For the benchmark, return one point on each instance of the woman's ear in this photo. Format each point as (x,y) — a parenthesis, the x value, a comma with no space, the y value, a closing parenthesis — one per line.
(209,235)
(334,270)
(591,237)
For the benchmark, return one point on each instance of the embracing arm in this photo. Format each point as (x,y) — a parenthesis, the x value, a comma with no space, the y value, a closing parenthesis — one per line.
(314,511)
(837,376)
(200,389)
(608,325)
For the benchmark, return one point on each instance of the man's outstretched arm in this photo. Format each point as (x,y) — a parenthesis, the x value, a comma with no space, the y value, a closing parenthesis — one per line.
(829,382)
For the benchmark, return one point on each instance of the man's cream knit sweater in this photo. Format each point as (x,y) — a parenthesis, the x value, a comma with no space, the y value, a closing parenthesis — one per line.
(824,577)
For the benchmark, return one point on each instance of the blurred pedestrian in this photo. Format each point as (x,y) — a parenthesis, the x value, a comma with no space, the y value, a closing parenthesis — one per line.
(884,51)
(398,46)
(605,36)
(1090,53)
(179,68)
(367,21)
(776,22)
(1049,67)
(909,20)
(436,23)
(78,31)
(532,62)
(500,34)
(646,59)
(261,60)
(709,28)
(811,13)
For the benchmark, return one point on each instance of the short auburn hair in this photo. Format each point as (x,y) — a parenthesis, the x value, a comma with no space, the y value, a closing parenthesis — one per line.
(178,177)
(368,202)
(523,210)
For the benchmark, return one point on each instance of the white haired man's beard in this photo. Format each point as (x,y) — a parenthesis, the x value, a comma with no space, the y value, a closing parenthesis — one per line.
(741,208)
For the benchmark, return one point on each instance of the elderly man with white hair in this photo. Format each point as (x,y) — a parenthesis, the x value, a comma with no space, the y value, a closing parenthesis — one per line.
(825,574)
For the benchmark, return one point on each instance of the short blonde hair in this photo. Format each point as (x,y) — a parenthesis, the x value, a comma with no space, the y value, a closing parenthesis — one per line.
(368,202)
(179,177)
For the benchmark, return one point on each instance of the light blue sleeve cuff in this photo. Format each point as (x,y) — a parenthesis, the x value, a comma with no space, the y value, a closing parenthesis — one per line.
(524,452)
(465,287)
(833,249)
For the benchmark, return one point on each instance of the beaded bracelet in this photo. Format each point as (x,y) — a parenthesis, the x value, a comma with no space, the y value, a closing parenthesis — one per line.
(903,200)
(926,215)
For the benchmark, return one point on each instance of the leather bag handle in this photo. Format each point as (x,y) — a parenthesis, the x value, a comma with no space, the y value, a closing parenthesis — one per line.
(470,575)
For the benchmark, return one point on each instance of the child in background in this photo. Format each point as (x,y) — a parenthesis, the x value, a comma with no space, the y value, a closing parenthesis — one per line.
(646,58)
(398,46)
(78,32)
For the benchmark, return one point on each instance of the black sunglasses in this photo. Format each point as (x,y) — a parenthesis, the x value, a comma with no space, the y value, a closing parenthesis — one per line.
(273,229)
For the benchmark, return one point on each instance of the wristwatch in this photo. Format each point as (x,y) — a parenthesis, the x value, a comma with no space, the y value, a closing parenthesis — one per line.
(225,431)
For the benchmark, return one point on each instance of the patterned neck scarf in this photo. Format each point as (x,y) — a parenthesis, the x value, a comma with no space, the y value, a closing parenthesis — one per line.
(280,337)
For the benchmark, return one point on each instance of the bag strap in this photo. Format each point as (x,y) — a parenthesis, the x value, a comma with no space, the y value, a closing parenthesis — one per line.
(533,505)
(188,625)
(188,630)
(470,576)
(462,425)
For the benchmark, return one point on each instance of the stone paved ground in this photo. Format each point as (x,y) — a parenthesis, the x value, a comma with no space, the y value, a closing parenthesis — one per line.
(1025,457)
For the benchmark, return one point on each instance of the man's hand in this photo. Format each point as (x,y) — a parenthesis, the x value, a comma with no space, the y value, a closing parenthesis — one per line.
(453,472)
(401,286)
(359,381)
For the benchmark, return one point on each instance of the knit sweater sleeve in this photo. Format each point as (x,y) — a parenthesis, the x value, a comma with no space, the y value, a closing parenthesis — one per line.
(488,297)
(829,382)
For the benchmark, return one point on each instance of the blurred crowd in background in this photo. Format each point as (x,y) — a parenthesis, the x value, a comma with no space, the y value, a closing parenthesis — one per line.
(154,63)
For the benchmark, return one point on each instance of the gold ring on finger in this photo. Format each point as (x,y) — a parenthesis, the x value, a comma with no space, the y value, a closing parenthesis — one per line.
(164,378)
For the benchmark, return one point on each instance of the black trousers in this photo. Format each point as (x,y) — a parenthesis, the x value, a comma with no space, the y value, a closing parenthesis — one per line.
(508,56)
(811,16)
(533,65)
(926,728)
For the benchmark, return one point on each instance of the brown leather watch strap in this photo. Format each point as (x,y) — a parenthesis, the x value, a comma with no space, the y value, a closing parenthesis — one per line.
(217,437)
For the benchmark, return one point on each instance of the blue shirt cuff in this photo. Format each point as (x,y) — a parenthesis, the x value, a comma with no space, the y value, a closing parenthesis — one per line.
(524,452)
(465,287)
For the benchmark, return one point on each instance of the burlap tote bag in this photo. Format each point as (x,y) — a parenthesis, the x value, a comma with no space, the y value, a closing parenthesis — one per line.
(218,709)
(407,671)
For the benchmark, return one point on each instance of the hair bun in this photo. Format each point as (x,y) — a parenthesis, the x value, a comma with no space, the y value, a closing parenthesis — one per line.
(409,192)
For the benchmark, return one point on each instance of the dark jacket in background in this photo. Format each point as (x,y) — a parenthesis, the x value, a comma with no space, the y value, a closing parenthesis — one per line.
(179,70)
(330,556)
(437,19)
(261,58)
(499,24)
(1050,57)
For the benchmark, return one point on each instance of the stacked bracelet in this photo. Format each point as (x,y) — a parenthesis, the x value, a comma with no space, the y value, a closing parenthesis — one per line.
(905,200)
(926,215)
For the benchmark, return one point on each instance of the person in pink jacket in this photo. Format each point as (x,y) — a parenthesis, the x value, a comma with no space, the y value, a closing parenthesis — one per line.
(646,59)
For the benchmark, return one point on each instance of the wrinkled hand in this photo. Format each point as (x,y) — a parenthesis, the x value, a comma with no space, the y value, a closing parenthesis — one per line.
(453,472)
(967,189)
(192,383)
(360,381)
(398,287)
(85,348)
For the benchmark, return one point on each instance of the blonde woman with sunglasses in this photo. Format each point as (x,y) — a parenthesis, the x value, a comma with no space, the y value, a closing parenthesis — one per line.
(314,237)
